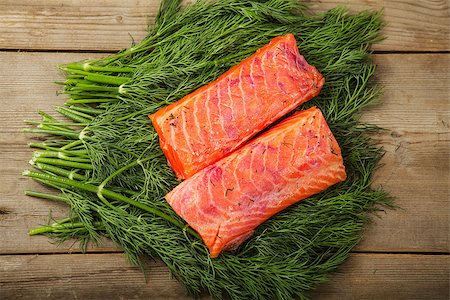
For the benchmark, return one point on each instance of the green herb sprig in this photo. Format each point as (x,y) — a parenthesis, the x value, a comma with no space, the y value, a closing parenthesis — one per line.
(107,165)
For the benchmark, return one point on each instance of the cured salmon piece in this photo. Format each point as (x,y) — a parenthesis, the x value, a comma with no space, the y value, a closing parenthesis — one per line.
(218,118)
(226,201)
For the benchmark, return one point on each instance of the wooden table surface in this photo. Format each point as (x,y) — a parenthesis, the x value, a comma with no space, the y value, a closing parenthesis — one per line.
(404,254)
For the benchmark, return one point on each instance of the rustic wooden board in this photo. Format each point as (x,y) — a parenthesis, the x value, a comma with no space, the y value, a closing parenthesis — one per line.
(107,25)
(109,276)
(29,87)
(415,107)
(386,276)
(410,25)
(74,25)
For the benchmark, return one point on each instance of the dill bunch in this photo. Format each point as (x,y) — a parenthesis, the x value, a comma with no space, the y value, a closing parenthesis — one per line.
(108,167)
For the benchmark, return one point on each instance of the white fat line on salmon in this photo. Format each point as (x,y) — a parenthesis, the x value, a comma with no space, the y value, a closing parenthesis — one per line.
(230,107)
(209,174)
(321,178)
(202,215)
(264,160)
(236,179)
(195,195)
(244,106)
(312,119)
(277,70)
(268,91)
(324,167)
(277,164)
(246,225)
(297,136)
(195,201)
(224,187)
(252,83)
(208,115)
(252,152)
(219,108)
(196,122)
(231,126)
(185,132)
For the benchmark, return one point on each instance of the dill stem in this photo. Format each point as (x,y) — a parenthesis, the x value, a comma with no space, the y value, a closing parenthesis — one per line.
(52,125)
(60,171)
(41,146)
(81,152)
(117,172)
(84,101)
(93,87)
(71,82)
(89,94)
(105,192)
(87,109)
(61,155)
(72,144)
(62,163)
(89,67)
(124,168)
(45,196)
(46,116)
(74,115)
(94,77)
(60,227)
(71,135)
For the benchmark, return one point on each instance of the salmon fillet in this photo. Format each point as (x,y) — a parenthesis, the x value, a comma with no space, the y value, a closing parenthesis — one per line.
(218,118)
(226,201)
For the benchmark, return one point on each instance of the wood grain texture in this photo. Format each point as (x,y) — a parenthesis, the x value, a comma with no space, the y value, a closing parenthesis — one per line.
(107,25)
(28,87)
(109,276)
(415,110)
(387,276)
(410,25)
(74,25)
(414,107)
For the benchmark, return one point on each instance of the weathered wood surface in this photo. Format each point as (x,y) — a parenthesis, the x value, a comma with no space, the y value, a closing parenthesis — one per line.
(414,107)
(28,87)
(109,276)
(386,276)
(422,25)
(107,25)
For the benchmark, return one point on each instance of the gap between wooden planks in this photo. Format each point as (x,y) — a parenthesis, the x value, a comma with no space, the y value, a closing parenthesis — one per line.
(99,25)
(363,276)
(415,107)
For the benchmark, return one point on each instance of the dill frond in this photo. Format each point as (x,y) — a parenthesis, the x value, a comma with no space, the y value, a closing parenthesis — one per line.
(113,139)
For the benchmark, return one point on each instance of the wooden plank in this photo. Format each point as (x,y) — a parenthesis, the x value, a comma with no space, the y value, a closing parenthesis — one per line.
(20,213)
(387,276)
(410,25)
(77,276)
(28,83)
(415,107)
(107,25)
(74,25)
(109,276)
